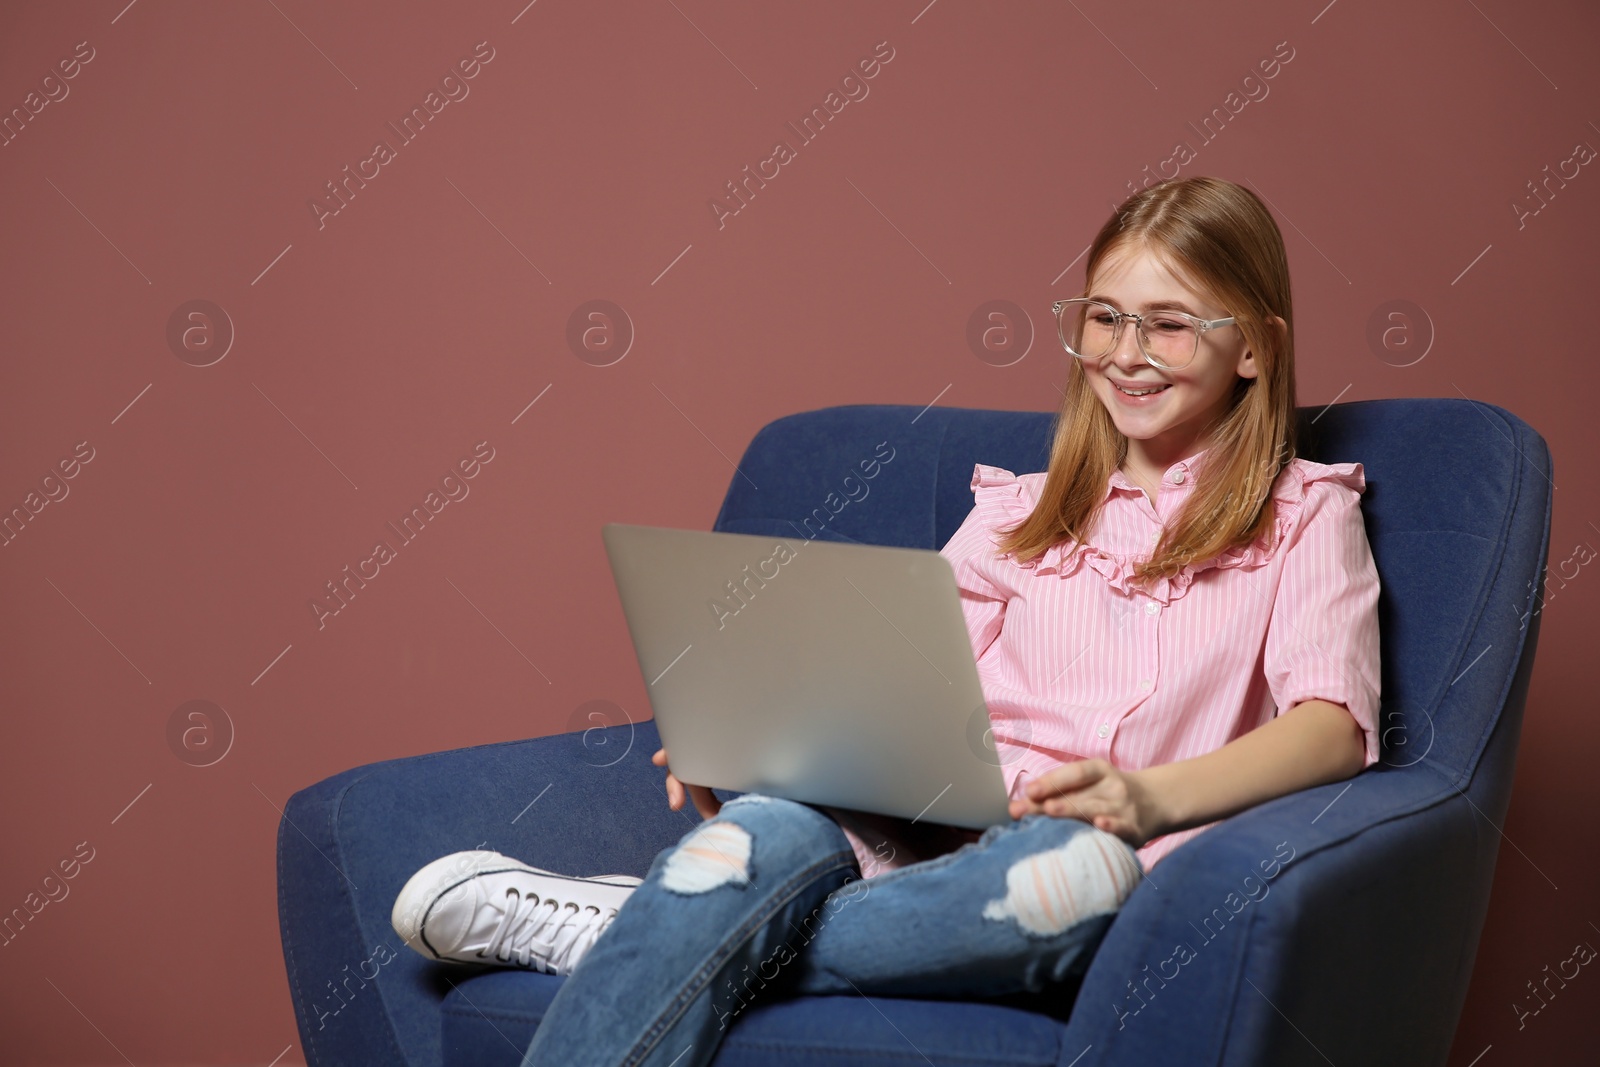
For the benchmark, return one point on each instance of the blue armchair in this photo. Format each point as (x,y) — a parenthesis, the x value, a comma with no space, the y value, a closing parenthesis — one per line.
(1337,924)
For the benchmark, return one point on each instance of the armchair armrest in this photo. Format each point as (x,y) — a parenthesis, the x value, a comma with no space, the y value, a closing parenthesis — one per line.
(347,844)
(1249,943)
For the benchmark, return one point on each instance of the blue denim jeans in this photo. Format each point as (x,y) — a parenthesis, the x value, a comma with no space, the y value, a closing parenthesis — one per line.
(765,900)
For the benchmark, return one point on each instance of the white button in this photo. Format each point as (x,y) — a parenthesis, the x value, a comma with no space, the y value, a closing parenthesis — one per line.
(1105,728)
(1177,475)
(1151,608)
(1144,683)
(1155,537)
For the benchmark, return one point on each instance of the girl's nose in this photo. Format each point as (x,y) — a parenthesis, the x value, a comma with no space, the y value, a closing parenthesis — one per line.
(1126,353)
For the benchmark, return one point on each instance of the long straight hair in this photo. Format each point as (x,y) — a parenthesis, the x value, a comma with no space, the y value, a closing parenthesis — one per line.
(1222,241)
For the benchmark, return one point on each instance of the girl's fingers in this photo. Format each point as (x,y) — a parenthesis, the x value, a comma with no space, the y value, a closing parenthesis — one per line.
(703,799)
(674,787)
(1056,783)
(1067,778)
(1023,806)
(1071,808)
(705,802)
(1096,815)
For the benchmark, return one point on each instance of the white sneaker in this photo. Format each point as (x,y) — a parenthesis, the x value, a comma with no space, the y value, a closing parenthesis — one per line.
(482,907)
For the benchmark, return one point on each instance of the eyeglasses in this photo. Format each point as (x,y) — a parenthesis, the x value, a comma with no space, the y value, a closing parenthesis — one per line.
(1169,340)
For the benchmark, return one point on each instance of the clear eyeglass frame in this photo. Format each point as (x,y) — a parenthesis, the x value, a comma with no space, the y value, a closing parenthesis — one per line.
(1201,326)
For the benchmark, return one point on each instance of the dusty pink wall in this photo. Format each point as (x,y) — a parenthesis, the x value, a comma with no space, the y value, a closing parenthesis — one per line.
(373,349)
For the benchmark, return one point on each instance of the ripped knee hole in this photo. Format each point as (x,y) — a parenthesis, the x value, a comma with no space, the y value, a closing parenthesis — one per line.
(715,854)
(1049,892)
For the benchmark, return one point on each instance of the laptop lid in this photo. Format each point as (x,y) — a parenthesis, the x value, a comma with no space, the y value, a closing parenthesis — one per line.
(829,673)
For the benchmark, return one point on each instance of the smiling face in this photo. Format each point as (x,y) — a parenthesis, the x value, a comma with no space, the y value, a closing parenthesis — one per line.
(1170,424)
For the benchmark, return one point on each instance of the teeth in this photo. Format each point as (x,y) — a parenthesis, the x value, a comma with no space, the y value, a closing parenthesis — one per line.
(1142,392)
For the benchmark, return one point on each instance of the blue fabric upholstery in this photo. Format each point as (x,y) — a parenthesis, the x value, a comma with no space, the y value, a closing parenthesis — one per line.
(1357,949)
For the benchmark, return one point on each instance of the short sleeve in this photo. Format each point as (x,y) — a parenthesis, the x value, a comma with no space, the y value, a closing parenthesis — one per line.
(1322,640)
(970,551)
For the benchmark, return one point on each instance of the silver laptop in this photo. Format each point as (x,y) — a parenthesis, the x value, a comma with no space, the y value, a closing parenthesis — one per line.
(829,673)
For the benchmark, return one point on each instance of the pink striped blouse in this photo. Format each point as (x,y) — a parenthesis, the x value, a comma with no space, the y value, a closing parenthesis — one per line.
(1076,663)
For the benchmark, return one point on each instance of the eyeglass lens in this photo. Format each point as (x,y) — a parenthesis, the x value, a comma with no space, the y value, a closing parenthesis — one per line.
(1089,331)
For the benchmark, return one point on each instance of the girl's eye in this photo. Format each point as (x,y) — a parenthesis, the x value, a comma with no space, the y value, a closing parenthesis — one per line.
(1169,325)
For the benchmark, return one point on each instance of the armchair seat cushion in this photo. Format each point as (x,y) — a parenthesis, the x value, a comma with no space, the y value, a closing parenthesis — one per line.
(489,1020)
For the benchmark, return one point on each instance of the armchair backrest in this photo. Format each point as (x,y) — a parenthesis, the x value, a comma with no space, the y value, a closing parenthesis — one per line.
(1457,503)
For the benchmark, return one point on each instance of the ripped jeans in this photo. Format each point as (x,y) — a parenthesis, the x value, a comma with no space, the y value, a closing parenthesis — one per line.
(765,900)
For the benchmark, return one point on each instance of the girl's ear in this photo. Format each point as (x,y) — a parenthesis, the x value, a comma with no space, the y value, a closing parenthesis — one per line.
(1248,367)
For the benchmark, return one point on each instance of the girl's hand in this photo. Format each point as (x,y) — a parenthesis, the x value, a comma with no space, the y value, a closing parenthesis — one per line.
(704,801)
(1116,801)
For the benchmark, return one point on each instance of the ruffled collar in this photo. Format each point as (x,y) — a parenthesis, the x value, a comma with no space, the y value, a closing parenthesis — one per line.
(1007,498)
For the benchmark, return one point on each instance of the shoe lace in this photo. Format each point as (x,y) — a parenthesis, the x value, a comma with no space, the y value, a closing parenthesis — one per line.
(545,935)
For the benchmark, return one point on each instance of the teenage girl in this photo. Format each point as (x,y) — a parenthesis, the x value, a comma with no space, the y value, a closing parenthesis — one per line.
(1174,622)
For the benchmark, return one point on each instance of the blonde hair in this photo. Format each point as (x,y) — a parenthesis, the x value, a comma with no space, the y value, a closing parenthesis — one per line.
(1219,238)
